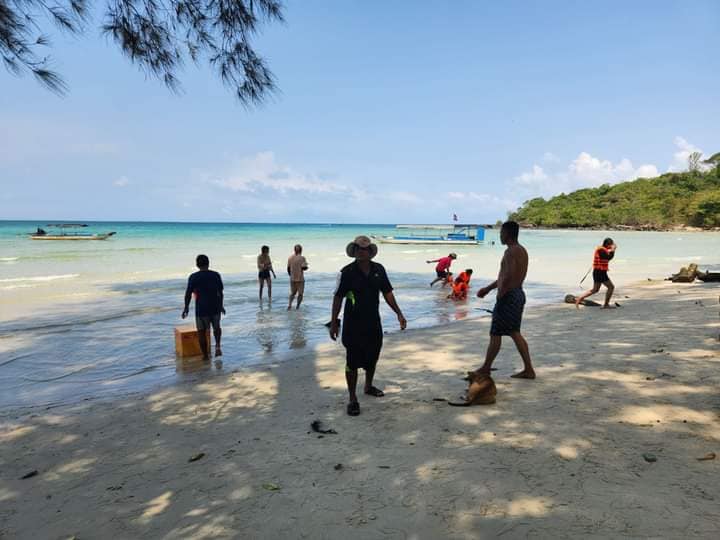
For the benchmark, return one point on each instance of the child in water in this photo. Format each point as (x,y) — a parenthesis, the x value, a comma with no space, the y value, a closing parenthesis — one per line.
(459,289)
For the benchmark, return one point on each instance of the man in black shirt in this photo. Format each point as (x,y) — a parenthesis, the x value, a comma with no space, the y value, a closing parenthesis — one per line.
(360,284)
(207,286)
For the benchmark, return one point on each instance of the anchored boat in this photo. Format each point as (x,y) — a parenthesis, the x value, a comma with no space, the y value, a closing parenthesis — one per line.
(66,231)
(465,234)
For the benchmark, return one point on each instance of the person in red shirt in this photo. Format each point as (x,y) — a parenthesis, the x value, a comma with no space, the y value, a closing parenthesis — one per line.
(442,268)
(601,263)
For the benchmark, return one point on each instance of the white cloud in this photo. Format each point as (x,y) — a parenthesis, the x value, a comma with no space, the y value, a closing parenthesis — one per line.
(471,199)
(550,157)
(121,182)
(262,171)
(535,176)
(680,158)
(584,171)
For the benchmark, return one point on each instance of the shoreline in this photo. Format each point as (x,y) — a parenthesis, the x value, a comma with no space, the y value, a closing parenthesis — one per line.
(561,456)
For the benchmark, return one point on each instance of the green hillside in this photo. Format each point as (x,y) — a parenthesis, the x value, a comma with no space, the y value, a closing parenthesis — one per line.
(689,198)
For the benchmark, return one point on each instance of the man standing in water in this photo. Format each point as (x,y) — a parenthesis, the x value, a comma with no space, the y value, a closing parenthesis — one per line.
(507,315)
(601,264)
(360,284)
(296,266)
(207,286)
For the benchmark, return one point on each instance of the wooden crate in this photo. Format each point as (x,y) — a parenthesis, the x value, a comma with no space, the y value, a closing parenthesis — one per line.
(186,341)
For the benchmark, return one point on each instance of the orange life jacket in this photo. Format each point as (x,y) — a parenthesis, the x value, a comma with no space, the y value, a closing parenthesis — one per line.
(460,289)
(598,262)
(465,277)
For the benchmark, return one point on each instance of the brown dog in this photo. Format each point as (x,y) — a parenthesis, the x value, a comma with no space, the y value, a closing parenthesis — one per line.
(481,390)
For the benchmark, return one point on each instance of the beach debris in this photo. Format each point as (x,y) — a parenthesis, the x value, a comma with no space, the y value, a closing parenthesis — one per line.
(196,457)
(617,304)
(338,467)
(687,274)
(439,399)
(113,488)
(659,350)
(316,426)
(570,299)
(707,457)
(383,466)
(271,486)
(650,458)
(29,475)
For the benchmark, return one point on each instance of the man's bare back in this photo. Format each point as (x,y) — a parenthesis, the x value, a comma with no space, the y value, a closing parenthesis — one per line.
(513,269)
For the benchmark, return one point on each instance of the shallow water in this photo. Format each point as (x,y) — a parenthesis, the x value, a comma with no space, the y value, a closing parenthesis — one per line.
(89,319)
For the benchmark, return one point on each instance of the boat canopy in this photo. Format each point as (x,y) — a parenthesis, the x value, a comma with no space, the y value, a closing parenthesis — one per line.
(442,227)
(66,225)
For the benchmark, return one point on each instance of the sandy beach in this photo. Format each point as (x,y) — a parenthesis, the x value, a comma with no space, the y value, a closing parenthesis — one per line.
(604,444)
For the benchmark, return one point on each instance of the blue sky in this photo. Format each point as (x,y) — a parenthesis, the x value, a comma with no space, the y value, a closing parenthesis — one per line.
(388,112)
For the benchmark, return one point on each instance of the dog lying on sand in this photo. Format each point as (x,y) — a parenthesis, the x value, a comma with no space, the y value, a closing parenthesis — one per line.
(481,390)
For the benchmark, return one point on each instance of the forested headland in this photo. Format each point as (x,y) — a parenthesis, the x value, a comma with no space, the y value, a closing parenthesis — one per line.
(672,200)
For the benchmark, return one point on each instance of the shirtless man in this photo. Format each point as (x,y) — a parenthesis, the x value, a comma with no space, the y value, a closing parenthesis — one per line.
(510,302)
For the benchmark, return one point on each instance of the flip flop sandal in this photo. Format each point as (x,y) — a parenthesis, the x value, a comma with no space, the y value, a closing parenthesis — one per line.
(372,391)
(353,409)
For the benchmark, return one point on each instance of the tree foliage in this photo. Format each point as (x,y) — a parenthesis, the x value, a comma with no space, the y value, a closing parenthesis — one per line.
(689,198)
(156,35)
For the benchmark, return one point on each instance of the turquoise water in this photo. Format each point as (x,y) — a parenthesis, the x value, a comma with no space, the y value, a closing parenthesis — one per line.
(87,319)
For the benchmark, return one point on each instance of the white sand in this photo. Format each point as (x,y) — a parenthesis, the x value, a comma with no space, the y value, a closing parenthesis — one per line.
(559,457)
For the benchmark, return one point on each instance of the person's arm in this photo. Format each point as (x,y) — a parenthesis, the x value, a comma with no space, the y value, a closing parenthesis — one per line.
(436,260)
(221,293)
(482,293)
(334,321)
(607,254)
(340,291)
(188,296)
(305,265)
(390,299)
(288,268)
(272,271)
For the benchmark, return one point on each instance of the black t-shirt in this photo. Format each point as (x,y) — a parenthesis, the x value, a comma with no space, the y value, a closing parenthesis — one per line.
(362,298)
(208,287)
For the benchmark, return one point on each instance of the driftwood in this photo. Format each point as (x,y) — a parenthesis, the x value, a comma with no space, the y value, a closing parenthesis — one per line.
(570,299)
(687,274)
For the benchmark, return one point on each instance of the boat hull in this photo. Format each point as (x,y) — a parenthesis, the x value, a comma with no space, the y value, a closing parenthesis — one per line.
(71,236)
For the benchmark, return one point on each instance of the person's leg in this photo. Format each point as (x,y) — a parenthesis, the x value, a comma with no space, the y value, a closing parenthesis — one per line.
(217,332)
(261,281)
(301,292)
(492,351)
(528,372)
(269,287)
(293,291)
(202,329)
(608,294)
(351,377)
(579,299)
(372,356)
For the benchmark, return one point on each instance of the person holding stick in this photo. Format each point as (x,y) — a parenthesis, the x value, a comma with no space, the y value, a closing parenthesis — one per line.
(601,263)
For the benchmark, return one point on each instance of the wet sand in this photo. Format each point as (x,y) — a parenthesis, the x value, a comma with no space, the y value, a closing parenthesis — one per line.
(564,456)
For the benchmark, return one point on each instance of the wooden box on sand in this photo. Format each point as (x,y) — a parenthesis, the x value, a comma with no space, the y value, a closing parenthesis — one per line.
(186,341)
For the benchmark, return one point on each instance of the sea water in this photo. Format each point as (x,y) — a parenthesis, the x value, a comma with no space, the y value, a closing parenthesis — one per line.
(87,319)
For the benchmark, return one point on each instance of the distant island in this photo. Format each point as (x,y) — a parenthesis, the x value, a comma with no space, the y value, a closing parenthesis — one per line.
(672,201)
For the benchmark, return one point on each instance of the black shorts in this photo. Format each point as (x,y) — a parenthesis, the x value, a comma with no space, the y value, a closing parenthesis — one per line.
(205,323)
(441,273)
(507,315)
(264,274)
(363,353)
(600,276)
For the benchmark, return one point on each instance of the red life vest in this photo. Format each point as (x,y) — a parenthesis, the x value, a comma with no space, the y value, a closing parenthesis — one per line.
(598,262)
(464,277)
